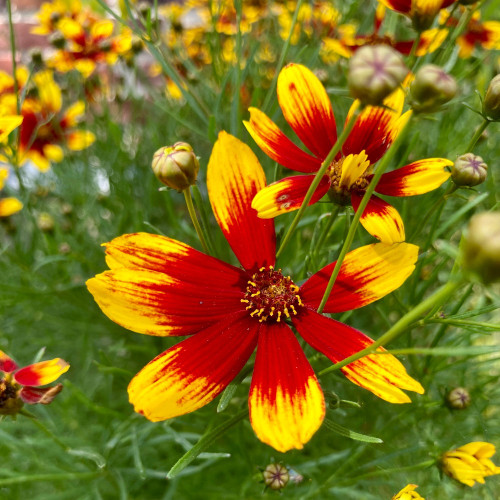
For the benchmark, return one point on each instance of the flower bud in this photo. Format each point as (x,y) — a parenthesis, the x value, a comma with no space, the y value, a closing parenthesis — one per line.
(458,398)
(57,40)
(491,104)
(275,476)
(374,72)
(176,166)
(431,88)
(45,222)
(481,248)
(469,170)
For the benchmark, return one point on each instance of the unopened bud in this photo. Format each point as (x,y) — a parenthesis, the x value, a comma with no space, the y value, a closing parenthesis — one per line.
(45,222)
(275,476)
(481,248)
(458,398)
(57,40)
(491,104)
(375,71)
(469,170)
(176,166)
(431,88)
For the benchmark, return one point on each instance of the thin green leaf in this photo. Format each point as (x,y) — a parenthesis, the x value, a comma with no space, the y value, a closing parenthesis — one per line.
(343,431)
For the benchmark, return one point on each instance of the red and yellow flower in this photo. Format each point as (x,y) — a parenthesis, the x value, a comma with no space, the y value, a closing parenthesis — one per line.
(45,127)
(348,42)
(421,12)
(484,34)
(470,463)
(307,108)
(22,385)
(160,286)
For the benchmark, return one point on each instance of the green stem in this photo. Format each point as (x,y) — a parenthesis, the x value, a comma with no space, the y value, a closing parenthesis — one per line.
(357,216)
(194,218)
(327,227)
(44,429)
(203,218)
(319,175)
(66,476)
(284,52)
(13,52)
(476,136)
(412,58)
(404,323)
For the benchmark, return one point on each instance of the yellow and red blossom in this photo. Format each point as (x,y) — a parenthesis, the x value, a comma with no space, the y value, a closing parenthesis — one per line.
(46,128)
(470,463)
(160,286)
(308,110)
(22,385)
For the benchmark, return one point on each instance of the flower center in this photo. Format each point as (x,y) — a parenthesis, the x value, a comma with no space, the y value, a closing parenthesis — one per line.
(270,295)
(10,403)
(341,188)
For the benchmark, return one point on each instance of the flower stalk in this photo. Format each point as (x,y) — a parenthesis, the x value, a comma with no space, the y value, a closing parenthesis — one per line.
(194,219)
(319,175)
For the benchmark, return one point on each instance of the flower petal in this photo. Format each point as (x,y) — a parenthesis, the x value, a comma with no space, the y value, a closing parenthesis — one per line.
(277,145)
(80,139)
(383,375)
(307,108)
(9,206)
(41,373)
(7,124)
(35,395)
(193,372)
(158,304)
(234,177)
(416,178)
(287,195)
(372,130)
(286,402)
(380,219)
(7,364)
(173,258)
(366,275)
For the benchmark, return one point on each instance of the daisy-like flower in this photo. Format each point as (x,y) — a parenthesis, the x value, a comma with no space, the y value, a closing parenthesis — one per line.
(45,127)
(421,12)
(408,493)
(159,286)
(307,108)
(347,42)
(477,33)
(470,463)
(22,385)
(89,42)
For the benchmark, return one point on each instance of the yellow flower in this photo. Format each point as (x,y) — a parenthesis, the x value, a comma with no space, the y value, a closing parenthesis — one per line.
(470,463)
(408,493)
(8,206)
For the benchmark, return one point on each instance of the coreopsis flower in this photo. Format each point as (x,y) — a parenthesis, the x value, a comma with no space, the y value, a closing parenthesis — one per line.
(307,108)
(160,286)
(408,493)
(22,385)
(470,463)
(51,13)
(348,42)
(46,127)
(87,43)
(477,33)
(421,12)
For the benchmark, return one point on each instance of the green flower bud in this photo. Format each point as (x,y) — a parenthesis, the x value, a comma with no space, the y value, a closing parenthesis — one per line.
(469,170)
(275,476)
(481,249)
(431,88)
(491,103)
(45,222)
(176,166)
(375,71)
(458,398)
(57,40)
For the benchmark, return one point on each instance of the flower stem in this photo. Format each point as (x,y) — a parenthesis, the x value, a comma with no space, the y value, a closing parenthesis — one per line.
(412,58)
(436,299)
(476,136)
(13,52)
(42,427)
(194,218)
(319,175)
(357,216)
